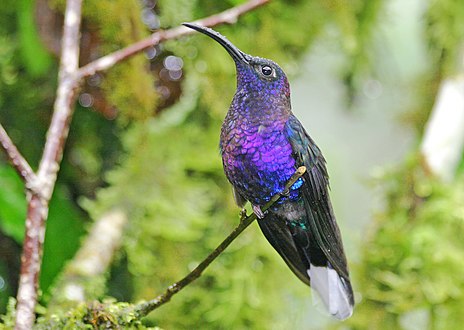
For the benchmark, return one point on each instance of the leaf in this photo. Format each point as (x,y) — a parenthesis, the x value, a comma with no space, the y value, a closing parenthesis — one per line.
(12,204)
(35,56)
(65,224)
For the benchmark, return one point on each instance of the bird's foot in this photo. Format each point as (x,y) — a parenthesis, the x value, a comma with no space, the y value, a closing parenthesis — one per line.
(243,214)
(285,193)
(257,210)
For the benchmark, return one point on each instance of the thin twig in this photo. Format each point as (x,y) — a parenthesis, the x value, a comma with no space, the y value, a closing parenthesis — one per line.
(144,308)
(228,16)
(16,159)
(37,211)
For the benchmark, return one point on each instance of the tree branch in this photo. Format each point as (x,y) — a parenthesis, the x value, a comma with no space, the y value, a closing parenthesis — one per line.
(228,16)
(42,189)
(144,309)
(40,186)
(16,159)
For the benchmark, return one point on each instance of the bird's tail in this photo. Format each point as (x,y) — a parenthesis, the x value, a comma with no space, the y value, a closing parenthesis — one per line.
(300,251)
(335,292)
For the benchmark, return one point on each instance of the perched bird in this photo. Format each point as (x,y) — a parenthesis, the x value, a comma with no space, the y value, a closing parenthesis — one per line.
(262,144)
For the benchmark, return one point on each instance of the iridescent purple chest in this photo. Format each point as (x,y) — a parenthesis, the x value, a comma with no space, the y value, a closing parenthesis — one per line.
(257,158)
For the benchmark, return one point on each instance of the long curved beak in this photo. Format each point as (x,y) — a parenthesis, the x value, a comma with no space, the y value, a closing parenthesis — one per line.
(236,53)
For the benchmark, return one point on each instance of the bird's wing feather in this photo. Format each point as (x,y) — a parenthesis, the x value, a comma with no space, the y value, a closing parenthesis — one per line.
(319,211)
(239,199)
(277,233)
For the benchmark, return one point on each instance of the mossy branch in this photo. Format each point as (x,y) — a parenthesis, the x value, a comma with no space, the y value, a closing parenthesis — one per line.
(145,308)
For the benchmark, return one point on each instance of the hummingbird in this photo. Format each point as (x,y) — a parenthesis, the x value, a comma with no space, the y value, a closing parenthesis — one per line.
(262,144)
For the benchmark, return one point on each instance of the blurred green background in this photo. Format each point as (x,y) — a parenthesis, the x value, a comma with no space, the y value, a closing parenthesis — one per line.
(144,140)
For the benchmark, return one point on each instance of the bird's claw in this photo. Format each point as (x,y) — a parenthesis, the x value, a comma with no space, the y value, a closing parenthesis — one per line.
(285,193)
(243,214)
(257,210)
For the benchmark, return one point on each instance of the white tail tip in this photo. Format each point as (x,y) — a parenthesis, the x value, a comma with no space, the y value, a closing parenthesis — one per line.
(332,291)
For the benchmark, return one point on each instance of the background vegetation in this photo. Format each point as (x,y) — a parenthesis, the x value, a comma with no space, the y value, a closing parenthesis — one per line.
(144,140)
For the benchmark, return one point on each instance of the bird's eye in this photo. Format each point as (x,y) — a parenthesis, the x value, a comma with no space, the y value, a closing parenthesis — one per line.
(266,70)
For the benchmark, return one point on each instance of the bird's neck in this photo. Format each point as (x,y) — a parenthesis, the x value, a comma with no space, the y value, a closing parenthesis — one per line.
(261,107)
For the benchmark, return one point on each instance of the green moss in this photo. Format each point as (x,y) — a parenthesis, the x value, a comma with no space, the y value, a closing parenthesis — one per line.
(94,315)
(7,321)
(129,86)
(93,288)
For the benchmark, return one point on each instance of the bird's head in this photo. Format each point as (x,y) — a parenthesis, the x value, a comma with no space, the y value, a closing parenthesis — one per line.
(254,74)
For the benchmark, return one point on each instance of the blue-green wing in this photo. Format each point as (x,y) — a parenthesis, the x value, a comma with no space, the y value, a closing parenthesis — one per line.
(320,216)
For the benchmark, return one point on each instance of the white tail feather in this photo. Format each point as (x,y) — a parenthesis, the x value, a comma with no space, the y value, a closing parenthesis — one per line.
(331,289)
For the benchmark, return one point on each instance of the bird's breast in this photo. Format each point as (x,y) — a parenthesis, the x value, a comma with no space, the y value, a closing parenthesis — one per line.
(257,159)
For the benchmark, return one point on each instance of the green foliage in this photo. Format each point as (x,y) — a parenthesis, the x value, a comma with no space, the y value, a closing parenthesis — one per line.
(426,87)
(21,102)
(66,222)
(445,31)
(63,221)
(7,320)
(36,59)
(356,24)
(137,102)
(12,204)
(411,270)
(8,74)
(179,11)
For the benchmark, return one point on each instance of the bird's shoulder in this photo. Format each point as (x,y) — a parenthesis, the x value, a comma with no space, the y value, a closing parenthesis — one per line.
(307,153)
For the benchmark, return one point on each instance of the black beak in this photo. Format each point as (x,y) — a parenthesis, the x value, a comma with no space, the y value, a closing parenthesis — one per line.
(236,53)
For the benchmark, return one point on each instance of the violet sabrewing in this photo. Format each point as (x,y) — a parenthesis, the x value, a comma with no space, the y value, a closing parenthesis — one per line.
(262,144)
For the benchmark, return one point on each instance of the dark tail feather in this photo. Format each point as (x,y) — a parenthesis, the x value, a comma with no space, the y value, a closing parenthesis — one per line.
(308,262)
(277,233)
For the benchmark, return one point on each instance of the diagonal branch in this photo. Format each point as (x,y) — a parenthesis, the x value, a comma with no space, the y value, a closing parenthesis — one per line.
(143,309)
(228,16)
(16,159)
